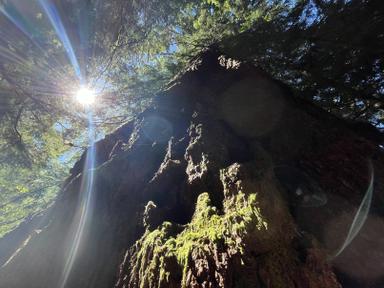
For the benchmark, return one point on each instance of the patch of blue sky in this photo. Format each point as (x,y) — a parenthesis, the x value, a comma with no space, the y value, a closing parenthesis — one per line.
(173,47)
(79,144)
(70,156)
(310,14)
(61,126)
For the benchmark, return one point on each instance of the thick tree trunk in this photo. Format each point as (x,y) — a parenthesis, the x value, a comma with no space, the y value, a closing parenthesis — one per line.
(226,181)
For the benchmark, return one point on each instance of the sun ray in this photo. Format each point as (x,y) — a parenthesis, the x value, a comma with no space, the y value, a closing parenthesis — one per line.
(85,206)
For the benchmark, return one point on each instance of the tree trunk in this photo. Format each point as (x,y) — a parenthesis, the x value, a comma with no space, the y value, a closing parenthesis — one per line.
(227,180)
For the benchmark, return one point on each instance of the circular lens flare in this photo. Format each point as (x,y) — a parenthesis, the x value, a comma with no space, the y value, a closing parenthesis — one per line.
(85,96)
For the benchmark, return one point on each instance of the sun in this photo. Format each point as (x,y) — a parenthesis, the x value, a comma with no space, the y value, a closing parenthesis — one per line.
(85,96)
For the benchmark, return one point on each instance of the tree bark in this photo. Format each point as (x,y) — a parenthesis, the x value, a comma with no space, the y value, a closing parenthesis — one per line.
(227,180)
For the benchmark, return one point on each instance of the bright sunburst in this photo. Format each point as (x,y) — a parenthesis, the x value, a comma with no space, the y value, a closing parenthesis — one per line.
(85,96)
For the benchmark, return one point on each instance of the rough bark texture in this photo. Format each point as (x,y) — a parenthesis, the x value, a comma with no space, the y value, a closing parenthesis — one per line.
(226,181)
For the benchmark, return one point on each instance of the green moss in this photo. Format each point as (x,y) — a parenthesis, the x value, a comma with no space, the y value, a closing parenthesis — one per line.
(149,260)
(207,226)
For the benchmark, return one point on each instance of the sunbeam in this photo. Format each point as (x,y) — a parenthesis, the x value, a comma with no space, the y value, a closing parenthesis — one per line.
(18,20)
(84,210)
(45,78)
(15,16)
(53,15)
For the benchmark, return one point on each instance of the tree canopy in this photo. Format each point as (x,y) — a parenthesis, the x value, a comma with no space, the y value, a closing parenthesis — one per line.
(328,51)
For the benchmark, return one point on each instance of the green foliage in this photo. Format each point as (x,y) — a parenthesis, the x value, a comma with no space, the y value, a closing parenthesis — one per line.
(25,192)
(325,51)
(30,176)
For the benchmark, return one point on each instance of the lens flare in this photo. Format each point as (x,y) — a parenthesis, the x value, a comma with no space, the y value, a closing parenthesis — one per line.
(361,214)
(84,210)
(85,96)
(54,17)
